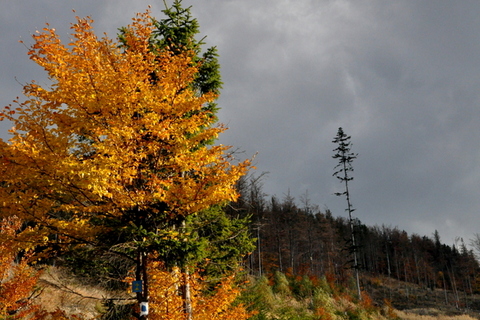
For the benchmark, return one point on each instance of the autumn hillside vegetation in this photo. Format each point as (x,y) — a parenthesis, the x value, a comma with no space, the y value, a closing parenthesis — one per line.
(117,202)
(396,269)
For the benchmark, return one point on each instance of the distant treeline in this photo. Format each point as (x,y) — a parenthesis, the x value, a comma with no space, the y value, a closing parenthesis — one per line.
(301,239)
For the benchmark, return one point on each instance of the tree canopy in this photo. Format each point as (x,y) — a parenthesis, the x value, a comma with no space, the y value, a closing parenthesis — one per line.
(112,154)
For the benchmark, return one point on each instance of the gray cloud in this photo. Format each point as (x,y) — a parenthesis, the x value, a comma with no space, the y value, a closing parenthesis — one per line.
(401,77)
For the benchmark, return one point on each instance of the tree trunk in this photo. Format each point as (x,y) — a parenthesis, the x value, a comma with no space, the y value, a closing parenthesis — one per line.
(187,298)
(259,252)
(141,275)
(186,290)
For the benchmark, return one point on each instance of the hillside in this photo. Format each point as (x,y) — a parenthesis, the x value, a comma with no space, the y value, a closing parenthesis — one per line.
(421,300)
(302,239)
(288,298)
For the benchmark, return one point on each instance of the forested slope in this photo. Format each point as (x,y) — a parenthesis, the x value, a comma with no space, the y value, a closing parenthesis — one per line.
(300,239)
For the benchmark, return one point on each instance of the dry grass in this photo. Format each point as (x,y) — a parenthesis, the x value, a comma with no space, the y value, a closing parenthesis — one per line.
(61,290)
(430,314)
(58,290)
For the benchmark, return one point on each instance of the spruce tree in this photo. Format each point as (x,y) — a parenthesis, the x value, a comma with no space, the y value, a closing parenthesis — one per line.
(343,172)
(178,32)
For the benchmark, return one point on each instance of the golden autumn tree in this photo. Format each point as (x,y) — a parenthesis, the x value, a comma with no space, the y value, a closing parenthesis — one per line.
(107,152)
(166,304)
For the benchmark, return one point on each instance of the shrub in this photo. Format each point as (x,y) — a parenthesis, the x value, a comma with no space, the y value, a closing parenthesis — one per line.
(280,284)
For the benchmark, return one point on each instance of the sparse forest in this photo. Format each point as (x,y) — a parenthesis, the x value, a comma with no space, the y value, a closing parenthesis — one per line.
(299,239)
(116,201)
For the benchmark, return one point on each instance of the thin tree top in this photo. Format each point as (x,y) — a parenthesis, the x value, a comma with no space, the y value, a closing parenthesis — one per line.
(344,154)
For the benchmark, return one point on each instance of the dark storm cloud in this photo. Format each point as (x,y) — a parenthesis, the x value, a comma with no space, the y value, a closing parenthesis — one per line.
(401,77)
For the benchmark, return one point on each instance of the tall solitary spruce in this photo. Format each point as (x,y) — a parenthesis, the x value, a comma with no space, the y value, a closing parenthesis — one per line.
(342,172)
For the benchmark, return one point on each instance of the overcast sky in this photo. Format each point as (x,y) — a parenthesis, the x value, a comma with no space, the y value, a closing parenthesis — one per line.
(401,77)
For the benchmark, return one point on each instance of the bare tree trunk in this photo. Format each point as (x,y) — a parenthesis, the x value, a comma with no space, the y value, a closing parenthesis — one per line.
(186,290)
(187,299)
(279,245)
(388,263)
(259,252)
(445,288)
(355,259)
(417,268)
(141,275)
(454,285)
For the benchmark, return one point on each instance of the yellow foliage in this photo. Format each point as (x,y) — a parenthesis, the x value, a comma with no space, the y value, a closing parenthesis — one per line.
(119,135)
(104,138)
(17,280)
(166,300)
